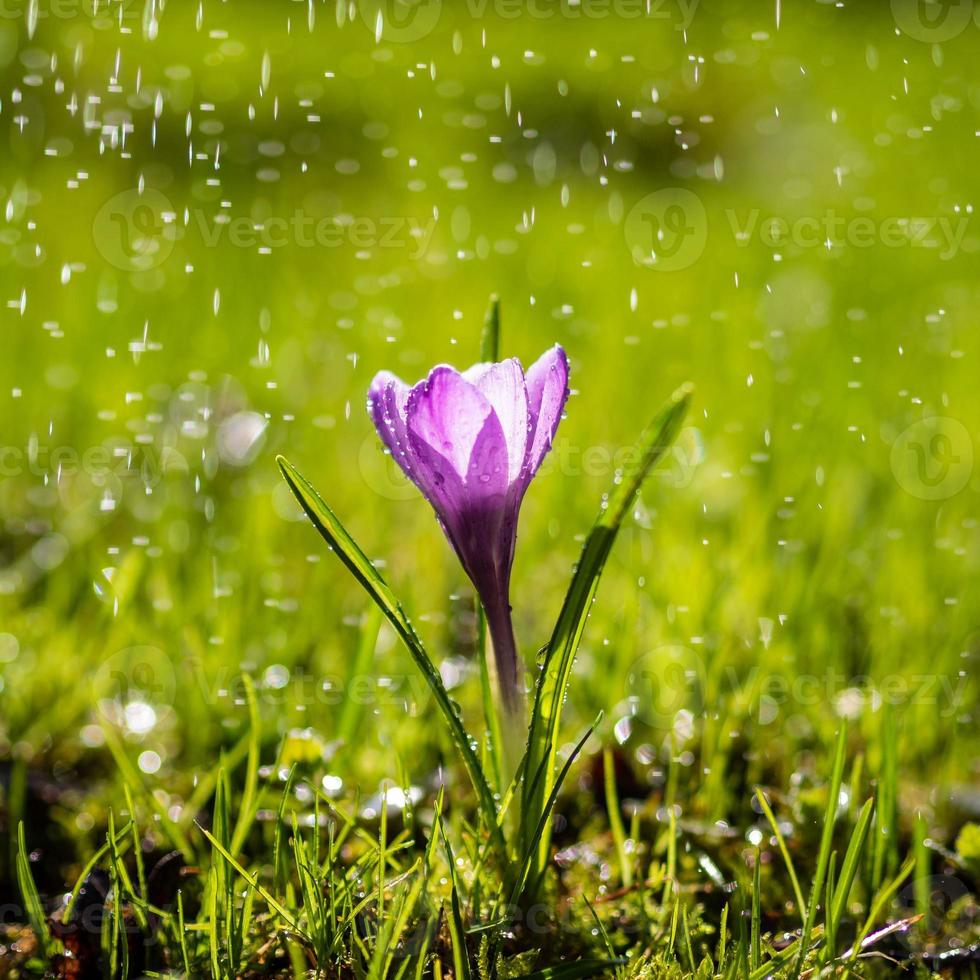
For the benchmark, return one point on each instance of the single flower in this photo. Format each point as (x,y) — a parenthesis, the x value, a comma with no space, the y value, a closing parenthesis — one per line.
(472,441)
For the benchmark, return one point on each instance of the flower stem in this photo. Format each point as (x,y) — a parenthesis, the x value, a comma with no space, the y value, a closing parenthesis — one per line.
(505,657)
(513,717)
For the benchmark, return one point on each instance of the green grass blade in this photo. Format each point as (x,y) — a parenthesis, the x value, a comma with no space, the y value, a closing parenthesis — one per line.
(131,776)
(771,967)
(560,654)
(457,931)
(182,933)
(353,710)
(358,564)
(600,928)
(209,779)
(92,862)
(29,892)
(278,865)
(137,849)
(574,971)
(886,808)
(545,818)
(884,896)
(247,807)
(490,338)
(826,840)
(829,886)
(921,884)
(784,850)
(252,882)
(755,945)
(852,861)
(616,818)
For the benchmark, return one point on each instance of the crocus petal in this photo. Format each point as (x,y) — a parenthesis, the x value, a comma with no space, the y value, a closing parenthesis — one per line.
(471,443)
(446,414)
(387,402)
(502,384)
(443,487)
(547,390)
(471,509)
(487,475)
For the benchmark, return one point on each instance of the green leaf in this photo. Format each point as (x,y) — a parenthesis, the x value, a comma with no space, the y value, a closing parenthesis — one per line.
(358,564)
(560,652)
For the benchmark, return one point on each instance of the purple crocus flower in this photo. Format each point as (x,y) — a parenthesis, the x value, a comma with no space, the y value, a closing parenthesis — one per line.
(472,442)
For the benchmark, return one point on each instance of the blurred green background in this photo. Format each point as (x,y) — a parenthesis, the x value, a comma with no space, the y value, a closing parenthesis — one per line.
(220,220)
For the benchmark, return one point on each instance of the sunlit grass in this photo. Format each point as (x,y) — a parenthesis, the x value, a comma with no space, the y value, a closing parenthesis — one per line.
(783,644)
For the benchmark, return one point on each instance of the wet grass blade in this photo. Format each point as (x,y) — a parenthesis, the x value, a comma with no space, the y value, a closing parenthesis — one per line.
(358,564)
(848,871)
(520,885)
(490,338)
(92,862)
(884,896)
(457,931)
(28,891)
(826,840)
(132,777)
(247,807)
(574,971)
(253,883)
(278,864)
(616,818)
(560,653)
(784,850)
(885,855)
(353,710)
(755,945)
(182,933)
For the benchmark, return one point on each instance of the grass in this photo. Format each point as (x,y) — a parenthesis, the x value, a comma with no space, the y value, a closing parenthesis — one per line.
(222,755)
